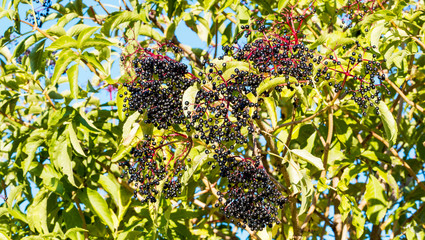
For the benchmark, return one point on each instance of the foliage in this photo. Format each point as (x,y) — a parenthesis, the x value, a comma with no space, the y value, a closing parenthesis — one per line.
(319,106)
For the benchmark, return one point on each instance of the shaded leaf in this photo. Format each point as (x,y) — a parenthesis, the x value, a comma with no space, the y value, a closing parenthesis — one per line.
(390,124)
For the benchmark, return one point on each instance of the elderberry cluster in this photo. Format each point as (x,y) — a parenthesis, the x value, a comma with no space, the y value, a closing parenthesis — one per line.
(355,11)
(40,12)
(252,197)
(149,167)
(158,89)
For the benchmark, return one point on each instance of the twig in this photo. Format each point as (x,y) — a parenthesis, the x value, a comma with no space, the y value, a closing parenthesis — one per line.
(80,212)
(395,154)
(35,27)
(17,120)
(398,90)
(98,1)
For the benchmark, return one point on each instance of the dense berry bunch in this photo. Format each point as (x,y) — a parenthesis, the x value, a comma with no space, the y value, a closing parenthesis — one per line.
(251,195)
(221,111)
(158,89)
(40,12)
(150,166)
(354,11)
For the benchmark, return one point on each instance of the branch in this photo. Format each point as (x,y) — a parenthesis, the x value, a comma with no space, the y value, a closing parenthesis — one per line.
(35,27)
(80,212)
(17,120)
(398,90)
(395,154)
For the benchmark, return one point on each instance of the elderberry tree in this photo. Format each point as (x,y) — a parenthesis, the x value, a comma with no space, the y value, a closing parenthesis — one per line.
(298,120)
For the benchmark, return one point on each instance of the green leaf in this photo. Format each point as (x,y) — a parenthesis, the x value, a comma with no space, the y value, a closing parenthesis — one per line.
(72,232)
(96,43)
(115,19)
(376,200)
(74,140)
(120,196)
(272,83)
(317,162)
(91,58)
(35,140)
(271,109)
(65,58)
(27,43)
(37,212)
(130,128)
(72,73)
(358,221)
(120,102)
(243,14)
(294,173)
(36,57)
(390,124)
(375,34)
(306,193)
(169,32)
(281,5)
(198,161)
(85,122)
(93,200)
(85,35)
(148,31)
(63,42)
(189,96)
(60,154)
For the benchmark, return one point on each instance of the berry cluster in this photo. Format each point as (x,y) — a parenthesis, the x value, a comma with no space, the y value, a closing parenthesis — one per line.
(150,166)
(355,11)
(252,197)
(40,12)
(158,89)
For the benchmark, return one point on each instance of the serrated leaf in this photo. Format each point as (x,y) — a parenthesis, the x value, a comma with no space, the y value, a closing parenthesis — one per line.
(169,32)
(189,96)
(63,42)
(72,73)
(96,43)
(272,83)
(121,200)
(198,161)
(271,109)
(85,35)
(306,193)
(33,143)
(36,57)
(130,128)
(115,19)
(85,122)
(74,140)
(65,58)
(376,200)
(91,58)
(390,124)
(282,4)
(148,31)
(93,200)
(37,212)
(375,34)
(60,155)
(317,162)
